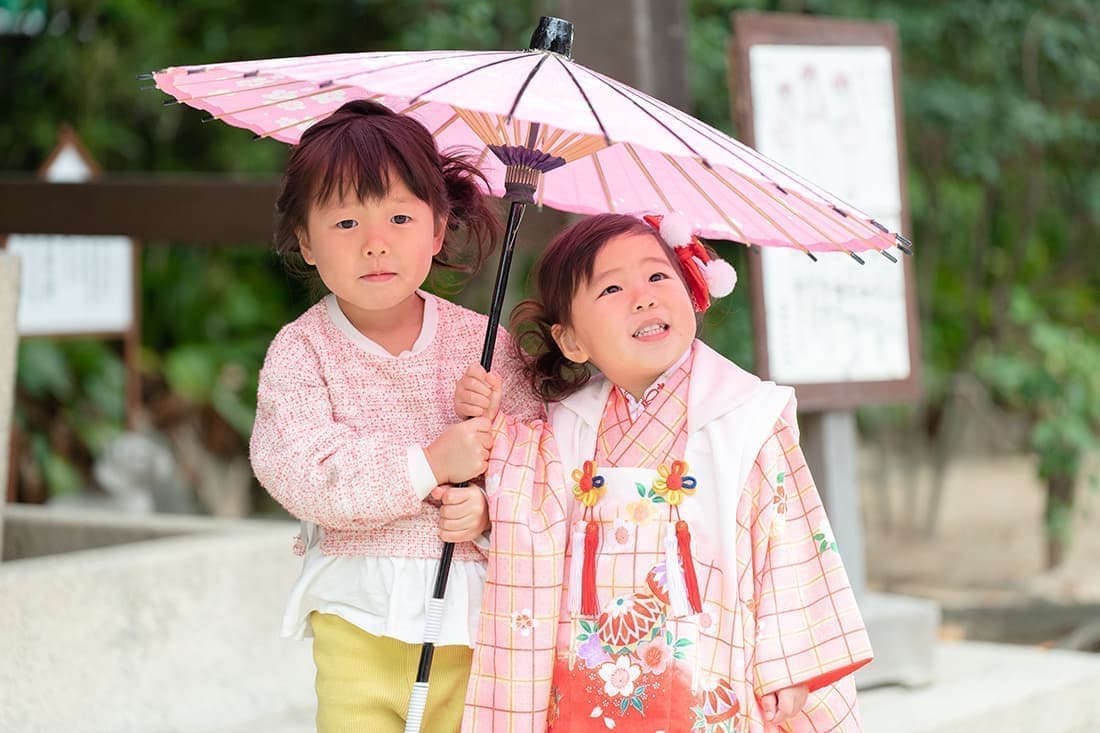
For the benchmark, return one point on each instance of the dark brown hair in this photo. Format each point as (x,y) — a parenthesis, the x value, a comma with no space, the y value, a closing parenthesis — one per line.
(564,267)
(357,148)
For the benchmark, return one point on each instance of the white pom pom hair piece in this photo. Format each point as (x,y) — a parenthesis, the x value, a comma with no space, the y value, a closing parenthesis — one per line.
(676,229)
(721,277)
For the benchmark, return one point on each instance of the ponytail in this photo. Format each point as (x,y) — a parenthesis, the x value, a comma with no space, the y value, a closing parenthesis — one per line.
(552,375)
(473,228)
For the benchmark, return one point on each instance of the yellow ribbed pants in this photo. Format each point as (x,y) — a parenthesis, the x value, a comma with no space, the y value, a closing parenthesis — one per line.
(364,681)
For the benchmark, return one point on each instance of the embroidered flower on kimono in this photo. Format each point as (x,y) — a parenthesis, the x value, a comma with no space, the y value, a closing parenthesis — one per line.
(619,676)
(589,486)
(621,535)
(780,498)
(673,483)
(720,702)
(640,512)
(523,621)
(592,652)
(708,619)
(824,537)
(654,656)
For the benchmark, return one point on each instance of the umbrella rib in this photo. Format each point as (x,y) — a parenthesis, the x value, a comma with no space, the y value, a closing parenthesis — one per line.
(587,101)
(523,88)
(310,120)
(450,121)
(615,88)
(603,184)
(184,100)
(445,82)
(277,102)
(478,123)
(713,204)
(296,63)
(743,198)
(843,221)
(648,176)
(738,150)
(785,205)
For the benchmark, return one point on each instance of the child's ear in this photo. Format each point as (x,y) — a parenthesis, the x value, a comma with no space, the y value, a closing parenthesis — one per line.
(304,248)
(566,340)
(440,233)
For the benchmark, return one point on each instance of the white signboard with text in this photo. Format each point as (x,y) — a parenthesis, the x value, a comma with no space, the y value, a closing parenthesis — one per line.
(827,112)
(74,284)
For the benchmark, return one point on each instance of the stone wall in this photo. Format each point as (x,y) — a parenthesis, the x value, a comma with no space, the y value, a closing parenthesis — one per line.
(172,634)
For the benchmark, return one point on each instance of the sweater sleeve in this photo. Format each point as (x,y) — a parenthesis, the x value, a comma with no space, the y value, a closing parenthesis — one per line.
(336,475)
(519,399)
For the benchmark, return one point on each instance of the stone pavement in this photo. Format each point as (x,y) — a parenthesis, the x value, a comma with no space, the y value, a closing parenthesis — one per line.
(979,688)
(993,687)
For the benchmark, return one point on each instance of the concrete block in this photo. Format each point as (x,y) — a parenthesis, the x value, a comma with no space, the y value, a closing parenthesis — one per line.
(37,531)
(993,688)
(903,633)
(175,634)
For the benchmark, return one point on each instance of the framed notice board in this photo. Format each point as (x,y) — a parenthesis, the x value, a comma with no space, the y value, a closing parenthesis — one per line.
(821,96)
(77,286)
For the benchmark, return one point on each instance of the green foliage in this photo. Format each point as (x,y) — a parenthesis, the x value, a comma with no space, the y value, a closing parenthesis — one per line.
(1002,117)
(70,404)
(1054,379)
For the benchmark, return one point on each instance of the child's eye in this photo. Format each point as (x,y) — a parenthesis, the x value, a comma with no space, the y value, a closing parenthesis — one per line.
(609,289)
(400,219)
(658,276)
(347,224)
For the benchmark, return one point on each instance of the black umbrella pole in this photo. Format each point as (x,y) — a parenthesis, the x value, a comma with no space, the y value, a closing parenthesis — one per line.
(434,621)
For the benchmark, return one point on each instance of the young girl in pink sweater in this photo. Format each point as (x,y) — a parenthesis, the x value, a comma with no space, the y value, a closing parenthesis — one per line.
(355,430)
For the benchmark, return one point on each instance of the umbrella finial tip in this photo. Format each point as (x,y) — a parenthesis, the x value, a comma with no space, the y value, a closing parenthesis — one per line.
(554,35)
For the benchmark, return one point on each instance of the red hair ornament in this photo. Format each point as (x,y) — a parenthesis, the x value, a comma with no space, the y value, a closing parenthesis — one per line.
(705,276)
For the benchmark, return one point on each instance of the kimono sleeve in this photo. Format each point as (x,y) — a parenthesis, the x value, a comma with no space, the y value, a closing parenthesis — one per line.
(509,687)
(323,471)
(519,399)
(808,627)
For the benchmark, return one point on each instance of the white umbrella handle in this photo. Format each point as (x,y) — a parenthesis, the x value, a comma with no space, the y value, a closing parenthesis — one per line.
(418,698)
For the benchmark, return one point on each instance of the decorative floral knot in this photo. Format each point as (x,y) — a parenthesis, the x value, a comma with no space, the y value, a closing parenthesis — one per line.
(589,486)
(673,483)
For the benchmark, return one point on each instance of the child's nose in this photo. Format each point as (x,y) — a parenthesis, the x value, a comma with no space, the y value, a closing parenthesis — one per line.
(644,299)
(374,246)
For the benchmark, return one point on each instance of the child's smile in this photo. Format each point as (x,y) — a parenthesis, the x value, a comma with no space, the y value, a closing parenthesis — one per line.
(651,331)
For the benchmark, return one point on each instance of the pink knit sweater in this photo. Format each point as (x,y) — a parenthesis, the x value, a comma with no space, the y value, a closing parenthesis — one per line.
(333,424)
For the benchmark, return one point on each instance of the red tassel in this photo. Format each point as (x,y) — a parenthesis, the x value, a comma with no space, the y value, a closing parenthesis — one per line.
(683,537)
(590,603)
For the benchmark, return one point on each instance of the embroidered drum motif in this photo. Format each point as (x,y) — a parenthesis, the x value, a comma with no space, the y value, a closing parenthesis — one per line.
(630,619)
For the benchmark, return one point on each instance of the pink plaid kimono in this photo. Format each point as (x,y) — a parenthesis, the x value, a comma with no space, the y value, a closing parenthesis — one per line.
(777,609)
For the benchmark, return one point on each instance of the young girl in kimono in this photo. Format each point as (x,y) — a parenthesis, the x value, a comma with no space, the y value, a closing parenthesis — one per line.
(660,558)
(355,431)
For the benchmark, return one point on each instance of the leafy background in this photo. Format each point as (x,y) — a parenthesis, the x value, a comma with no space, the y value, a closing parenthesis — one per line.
(1002,115)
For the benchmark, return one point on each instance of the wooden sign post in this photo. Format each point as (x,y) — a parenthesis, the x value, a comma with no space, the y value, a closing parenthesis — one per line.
(81,286)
